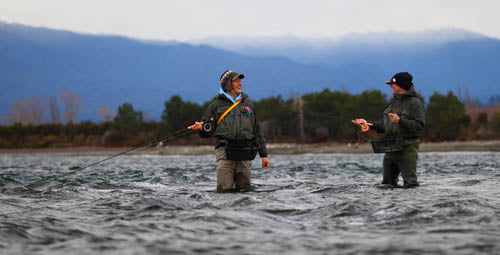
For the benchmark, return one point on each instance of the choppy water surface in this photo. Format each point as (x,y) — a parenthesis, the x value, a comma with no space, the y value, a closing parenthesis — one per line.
(304,204)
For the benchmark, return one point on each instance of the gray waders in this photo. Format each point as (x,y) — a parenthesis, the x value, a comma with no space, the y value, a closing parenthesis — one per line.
(231,172)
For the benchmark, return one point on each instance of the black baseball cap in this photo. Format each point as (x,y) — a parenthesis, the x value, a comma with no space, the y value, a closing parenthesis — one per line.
(402,79)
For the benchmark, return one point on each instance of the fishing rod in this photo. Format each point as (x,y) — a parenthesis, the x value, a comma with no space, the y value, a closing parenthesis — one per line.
(172,136)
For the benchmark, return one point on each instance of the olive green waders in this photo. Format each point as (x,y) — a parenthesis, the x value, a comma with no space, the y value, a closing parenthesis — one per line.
(404,162)
(231,172)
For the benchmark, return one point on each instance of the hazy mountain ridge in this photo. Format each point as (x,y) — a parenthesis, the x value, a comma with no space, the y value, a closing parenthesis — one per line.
(111,70)
(440,60)
(316,49)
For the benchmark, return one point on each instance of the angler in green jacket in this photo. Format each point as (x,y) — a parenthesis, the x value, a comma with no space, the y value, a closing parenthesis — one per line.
(232,119)
(403,117)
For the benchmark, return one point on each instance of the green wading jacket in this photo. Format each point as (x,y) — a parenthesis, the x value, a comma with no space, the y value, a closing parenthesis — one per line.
(411,111)
(239,124)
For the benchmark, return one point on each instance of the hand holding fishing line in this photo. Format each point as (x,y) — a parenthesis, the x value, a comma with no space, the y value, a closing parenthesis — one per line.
(359,122)
(365,126)
(197,126)
(394,117)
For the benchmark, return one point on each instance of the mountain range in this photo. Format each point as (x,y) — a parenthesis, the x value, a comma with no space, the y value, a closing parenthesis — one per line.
(108,70)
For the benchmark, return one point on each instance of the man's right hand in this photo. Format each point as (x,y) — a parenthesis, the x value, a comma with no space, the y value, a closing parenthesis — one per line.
(359,122)
(197,126)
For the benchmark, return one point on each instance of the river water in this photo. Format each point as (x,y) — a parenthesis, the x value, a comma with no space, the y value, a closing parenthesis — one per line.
(303,204)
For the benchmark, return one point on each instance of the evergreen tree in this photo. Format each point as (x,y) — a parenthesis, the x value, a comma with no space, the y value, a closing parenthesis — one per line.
(277,116)
(127,121)
(178,114)
(495,122)
(445,116)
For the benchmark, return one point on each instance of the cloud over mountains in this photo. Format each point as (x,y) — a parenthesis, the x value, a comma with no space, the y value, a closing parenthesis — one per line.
(111,70)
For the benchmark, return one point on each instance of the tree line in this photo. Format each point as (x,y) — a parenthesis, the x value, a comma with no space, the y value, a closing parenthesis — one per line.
(314,117)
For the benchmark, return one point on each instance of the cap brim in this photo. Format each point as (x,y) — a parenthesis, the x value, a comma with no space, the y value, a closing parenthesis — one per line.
(239,76)
(389,82)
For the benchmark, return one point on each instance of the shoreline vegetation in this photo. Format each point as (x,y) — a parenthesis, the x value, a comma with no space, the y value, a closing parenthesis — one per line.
(319,122)
(273,148)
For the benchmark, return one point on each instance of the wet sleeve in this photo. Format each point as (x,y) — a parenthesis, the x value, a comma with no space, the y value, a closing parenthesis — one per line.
(208,116)
(259,136)
(417,122)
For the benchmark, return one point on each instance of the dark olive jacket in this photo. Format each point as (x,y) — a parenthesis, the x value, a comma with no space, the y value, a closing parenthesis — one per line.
(239,124)
(411,111)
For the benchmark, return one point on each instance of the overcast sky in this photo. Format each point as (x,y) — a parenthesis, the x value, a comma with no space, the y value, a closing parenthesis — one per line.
(186,20)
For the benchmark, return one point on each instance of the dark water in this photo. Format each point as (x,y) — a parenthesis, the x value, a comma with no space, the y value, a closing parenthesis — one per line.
(304,204)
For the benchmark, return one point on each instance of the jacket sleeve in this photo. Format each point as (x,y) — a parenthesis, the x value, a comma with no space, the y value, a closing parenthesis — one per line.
(378,125)
(259,136)
(417,122)
(209,116)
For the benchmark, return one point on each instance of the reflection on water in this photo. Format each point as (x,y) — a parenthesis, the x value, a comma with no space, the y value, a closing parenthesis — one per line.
(304,204)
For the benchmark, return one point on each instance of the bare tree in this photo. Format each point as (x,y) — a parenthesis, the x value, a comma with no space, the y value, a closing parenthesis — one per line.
(343,89)
(300,111)
(36,106)
(27,111)
(72,106)
(106,114)
(146,116)
(18,113)
(459,93)
(55,114)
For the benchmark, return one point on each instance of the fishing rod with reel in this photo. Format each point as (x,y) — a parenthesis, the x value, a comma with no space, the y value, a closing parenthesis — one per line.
(170,137)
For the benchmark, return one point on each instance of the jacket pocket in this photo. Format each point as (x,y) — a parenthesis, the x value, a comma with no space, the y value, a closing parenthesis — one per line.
(246,116)
(225,128)
(405,114)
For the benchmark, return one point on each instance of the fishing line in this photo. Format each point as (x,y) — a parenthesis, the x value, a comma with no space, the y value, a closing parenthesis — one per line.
(359,130)
(172,136)
(329,116)
(316,117)
(332,116)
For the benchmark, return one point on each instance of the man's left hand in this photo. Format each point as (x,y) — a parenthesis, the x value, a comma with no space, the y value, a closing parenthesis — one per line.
(394,117)
(265,162)
(197,126)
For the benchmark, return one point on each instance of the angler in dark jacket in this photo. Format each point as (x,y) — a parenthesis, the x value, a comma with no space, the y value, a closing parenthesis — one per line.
(232,119)
(403,117)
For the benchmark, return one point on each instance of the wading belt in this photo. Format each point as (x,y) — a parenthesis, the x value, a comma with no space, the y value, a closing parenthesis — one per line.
(227,111)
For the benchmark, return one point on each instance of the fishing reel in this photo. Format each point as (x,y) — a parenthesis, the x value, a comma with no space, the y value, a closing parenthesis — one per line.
(365,128)
(207,127)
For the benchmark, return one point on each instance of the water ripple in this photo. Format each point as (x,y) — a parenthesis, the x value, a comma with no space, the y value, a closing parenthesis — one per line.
(303,204)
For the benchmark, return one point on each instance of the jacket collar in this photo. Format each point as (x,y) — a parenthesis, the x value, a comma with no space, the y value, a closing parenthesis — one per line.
(226,96)
(410,93)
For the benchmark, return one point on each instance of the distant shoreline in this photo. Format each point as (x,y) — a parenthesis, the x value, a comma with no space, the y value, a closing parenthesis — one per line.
(275,148)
